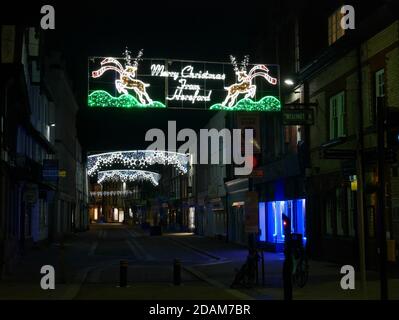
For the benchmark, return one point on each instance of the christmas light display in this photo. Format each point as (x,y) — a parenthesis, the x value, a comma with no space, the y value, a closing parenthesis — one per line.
(129,175)
(268,103)
(158,70)
(127,81)
(137,159)
(101,98)
(111,193)
(185,84)
(244,84)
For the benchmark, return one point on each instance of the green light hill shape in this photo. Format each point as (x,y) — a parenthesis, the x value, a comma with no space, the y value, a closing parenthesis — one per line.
(267,103)
(101,98)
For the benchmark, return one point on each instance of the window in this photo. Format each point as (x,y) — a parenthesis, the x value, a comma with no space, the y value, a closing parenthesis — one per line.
(329,210)
(379,91)
(351,212)
(340,212)
(379,84)
(337,116)
(371,221)
(334,27)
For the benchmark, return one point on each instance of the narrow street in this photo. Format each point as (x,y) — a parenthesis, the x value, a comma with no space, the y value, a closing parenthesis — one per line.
(88,268)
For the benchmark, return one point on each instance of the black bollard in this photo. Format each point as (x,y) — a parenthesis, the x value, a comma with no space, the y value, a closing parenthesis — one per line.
(176,272)
(123,274)
(287,278)
(257,269)
(287,265)
(263,268)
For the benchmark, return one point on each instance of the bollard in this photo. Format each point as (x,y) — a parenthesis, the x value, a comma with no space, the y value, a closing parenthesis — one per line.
(257,270)
(287,269)
(263,268)
(287,265)
(176,272)
(123,274)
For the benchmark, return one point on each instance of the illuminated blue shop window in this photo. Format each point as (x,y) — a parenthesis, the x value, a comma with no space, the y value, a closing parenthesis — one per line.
(262,221)
(270,219)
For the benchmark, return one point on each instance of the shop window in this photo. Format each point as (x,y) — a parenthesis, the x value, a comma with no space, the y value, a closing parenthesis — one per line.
(270,219)
(351,198)
(340,212)
(328,217)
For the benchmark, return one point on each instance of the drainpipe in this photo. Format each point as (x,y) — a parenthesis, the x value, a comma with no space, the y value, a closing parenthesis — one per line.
(310,234)
(360,177)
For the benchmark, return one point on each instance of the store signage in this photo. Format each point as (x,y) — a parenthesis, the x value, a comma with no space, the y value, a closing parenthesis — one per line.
(50,170)
(298,117)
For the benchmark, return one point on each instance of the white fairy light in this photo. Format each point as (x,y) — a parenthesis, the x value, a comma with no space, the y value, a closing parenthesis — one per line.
(129,175)
(111,193)
(137,159)
(128,58)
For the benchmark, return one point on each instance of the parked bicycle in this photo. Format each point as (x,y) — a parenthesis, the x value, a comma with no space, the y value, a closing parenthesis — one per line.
(300,265)
(245,277)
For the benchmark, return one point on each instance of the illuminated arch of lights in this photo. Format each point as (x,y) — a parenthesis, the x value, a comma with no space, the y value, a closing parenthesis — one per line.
(137,159)
(129,175)
(111,193)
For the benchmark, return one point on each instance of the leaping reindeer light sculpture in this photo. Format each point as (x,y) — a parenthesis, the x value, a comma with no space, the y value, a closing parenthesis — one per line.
(244,84)
(127,76)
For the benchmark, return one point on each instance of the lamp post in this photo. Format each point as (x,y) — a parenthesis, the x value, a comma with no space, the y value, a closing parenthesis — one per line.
(381,197)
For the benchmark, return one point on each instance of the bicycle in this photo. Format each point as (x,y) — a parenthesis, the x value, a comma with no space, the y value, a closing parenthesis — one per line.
(246,275)
(300,265)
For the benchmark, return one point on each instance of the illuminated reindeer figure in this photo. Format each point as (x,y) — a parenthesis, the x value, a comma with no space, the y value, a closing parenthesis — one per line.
(244,84)
(127,76)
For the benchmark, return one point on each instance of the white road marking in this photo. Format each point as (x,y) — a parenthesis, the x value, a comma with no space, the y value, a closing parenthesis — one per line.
(138,247)
(135,251)
(93,248)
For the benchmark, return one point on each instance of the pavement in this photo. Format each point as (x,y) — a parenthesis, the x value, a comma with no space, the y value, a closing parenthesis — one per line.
(87,267)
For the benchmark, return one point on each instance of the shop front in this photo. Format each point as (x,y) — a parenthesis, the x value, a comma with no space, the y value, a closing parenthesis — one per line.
(271,225)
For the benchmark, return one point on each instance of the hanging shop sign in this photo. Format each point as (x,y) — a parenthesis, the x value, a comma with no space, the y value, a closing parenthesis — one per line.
(159,83)
(298,117)
(50,171)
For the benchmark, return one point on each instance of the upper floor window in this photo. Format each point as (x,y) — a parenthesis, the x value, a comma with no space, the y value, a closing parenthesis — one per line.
(379,83)
(337,116)
(334,26)
(379,91)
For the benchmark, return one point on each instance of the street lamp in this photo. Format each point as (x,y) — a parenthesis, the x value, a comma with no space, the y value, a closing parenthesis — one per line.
(289,82)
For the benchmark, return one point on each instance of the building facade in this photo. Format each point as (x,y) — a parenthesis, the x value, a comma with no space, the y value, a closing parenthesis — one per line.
(342,83)
(30,182)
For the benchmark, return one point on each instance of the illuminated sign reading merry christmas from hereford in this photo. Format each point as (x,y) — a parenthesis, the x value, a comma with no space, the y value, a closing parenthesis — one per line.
(159,83)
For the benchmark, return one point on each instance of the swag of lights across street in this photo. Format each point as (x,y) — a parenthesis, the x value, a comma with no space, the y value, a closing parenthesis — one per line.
(137,159)
(111,193)
(129,175)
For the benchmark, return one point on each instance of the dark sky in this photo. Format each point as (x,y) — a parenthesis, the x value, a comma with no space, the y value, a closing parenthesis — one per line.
(196,30)
(192,30)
